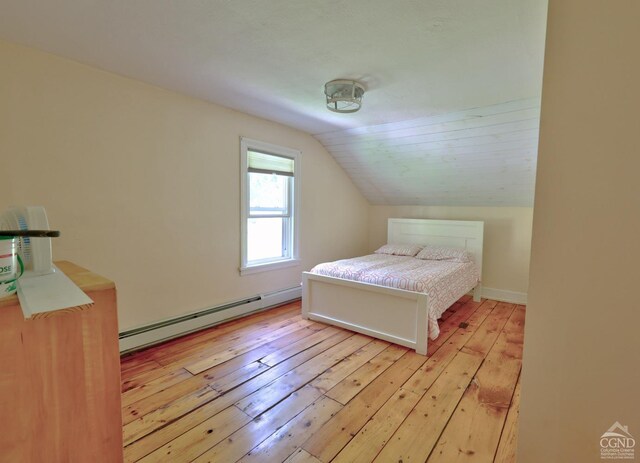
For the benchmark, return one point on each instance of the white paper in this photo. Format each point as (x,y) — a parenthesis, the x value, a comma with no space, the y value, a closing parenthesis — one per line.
(46,293)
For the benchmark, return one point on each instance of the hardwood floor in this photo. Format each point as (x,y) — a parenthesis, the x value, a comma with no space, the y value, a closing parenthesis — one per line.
(274,387)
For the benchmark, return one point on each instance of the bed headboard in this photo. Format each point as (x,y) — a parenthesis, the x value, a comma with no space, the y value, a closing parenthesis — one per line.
(463,234)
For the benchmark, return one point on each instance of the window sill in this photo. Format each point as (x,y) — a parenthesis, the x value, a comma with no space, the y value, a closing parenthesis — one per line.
(270,266)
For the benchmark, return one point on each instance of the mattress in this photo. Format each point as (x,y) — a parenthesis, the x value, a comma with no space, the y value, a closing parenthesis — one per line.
(443,281)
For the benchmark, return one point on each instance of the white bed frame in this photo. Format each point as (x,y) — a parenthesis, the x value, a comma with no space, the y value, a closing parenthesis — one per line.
(391,314)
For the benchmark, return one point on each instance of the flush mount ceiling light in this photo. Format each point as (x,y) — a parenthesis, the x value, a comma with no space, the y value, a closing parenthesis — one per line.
(343,96)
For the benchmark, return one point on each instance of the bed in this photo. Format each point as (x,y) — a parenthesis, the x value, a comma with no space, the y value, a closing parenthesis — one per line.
(358,294)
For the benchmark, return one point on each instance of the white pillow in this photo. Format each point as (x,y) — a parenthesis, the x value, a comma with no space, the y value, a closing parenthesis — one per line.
(444,253)
(399,249)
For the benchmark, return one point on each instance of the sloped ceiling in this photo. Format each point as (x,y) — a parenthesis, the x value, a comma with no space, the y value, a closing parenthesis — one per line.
(480,157)
(425,64)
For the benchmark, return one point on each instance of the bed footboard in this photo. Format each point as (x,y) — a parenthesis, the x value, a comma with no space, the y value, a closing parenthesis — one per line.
(477,293)
(394,315)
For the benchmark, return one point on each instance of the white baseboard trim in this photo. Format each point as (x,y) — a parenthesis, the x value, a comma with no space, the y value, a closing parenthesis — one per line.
(504,295)
(164,330)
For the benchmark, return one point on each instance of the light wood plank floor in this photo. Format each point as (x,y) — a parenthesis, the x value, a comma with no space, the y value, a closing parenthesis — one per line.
(274,387)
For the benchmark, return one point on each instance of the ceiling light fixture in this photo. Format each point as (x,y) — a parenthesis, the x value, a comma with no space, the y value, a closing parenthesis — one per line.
(343,96)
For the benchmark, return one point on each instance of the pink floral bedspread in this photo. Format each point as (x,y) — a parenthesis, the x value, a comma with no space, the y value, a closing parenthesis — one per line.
(444,281)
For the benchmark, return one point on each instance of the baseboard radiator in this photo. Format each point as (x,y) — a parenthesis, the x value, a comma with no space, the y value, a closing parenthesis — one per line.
(164,330)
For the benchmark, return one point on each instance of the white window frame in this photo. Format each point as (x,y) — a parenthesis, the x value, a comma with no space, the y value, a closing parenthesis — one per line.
(248,144)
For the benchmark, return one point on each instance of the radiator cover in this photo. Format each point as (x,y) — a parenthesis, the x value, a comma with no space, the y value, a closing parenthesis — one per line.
(164,330)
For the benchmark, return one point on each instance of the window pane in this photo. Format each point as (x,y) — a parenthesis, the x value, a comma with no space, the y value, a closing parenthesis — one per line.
(268,194)
(264,238)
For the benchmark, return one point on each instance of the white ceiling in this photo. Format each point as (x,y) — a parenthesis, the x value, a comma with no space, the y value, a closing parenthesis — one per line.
(479,157)
(417,58)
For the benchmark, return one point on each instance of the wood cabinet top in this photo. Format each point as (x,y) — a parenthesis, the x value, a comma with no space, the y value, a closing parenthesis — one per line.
(85,279)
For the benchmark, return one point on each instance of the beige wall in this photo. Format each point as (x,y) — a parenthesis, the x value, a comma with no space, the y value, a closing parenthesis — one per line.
(507,238)
(582,335)
(127,170)
(144,184)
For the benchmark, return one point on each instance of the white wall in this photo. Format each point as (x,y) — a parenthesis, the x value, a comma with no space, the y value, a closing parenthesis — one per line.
(582,340)
(144,184)
(507,240)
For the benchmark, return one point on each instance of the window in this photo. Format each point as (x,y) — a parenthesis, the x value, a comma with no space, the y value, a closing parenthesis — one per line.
(270,200)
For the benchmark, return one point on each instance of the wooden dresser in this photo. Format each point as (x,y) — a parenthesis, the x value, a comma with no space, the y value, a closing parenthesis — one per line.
(60,379)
